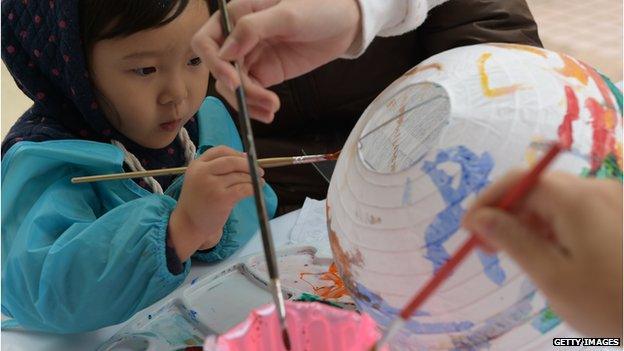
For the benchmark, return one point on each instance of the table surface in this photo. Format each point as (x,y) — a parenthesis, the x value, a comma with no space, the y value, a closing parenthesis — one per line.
(14,340)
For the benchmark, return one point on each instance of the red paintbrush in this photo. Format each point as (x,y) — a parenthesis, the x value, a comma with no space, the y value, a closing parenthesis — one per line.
(517,193)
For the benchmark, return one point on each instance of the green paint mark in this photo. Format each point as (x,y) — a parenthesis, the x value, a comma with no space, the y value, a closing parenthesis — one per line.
(608,170)
(545,320)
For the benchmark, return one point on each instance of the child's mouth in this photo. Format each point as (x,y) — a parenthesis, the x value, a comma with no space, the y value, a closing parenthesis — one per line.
(170,126)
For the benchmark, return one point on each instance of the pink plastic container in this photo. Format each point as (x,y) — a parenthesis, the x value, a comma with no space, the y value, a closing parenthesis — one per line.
(311,326)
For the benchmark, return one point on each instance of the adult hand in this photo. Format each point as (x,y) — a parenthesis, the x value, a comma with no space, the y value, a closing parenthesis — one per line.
(567,236)
(274,40)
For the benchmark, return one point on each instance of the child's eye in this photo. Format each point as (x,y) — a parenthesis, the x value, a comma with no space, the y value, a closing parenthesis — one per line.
(195,61)
(144,71)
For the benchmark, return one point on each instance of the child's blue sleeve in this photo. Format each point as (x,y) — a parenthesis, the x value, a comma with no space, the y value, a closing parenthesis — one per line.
(78,257)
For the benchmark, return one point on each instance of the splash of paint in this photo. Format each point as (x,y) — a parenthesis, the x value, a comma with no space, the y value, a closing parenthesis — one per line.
(545,321)
(485,80)
(419,69)
(525,48)
(604,132)
(474,173)
(333,291)
(571,69)
(602,86)
(394,139)
(498,324)
(572,114)
(384,314)
(407,192)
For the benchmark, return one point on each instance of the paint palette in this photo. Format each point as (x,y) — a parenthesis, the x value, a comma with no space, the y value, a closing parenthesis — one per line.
(213,304)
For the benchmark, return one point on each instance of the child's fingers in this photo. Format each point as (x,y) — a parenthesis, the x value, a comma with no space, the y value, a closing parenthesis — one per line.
(217,152)
(226,165)
(239,191)
(229,164)
(232,179)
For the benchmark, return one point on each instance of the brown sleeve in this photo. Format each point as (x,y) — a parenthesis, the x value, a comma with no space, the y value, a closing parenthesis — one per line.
(466,22)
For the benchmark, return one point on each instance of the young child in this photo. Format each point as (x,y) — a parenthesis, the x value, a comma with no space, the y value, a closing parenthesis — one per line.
(116,87)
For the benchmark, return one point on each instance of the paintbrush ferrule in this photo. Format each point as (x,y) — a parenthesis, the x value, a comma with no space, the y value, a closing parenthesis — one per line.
(308,159)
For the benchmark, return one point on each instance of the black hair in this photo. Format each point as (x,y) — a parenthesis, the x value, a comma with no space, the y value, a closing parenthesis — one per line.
(106,19)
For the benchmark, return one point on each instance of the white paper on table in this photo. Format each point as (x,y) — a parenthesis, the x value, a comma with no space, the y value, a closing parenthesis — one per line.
(311,227)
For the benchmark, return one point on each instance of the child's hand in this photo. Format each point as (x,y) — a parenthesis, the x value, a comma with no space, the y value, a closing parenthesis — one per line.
(213,184)
(567,236)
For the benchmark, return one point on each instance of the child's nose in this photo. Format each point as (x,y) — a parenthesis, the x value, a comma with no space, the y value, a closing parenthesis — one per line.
(175,91)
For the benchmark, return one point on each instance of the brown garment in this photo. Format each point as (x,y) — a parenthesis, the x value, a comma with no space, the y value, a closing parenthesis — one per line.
(320,108)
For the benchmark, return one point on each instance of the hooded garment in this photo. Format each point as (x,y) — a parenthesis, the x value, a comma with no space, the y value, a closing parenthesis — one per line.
(79,257)
(41,47)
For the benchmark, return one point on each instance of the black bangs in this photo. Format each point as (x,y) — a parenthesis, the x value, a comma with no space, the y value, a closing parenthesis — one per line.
(106,19)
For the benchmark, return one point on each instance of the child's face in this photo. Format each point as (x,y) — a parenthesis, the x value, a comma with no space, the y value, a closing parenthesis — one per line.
(151,83)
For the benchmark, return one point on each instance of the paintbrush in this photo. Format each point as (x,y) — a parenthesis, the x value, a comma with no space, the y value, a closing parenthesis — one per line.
(263,162)
(506,203)
(265,229)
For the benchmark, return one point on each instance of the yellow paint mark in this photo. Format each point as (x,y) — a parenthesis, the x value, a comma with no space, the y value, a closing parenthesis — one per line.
(618,155)
(531,153)
(531,49)
(485,80)
(572,69)
(419,69)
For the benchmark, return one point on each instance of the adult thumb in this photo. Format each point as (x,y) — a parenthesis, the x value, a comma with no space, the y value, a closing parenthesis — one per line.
(505,232)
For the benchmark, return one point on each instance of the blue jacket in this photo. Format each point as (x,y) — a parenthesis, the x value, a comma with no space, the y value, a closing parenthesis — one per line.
(78,257)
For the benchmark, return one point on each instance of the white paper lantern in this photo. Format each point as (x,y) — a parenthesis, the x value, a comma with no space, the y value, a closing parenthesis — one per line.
(427,145)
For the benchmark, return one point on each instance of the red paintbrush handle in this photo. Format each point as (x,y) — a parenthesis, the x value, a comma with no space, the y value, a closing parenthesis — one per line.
(514,195)
(440,276)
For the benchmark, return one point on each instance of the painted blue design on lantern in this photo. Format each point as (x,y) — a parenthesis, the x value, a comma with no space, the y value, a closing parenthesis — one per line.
(407,192)
(375,306)
(474,174)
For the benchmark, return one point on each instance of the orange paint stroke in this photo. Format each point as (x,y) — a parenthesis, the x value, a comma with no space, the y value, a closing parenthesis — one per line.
(530,156)
(334,291)
(396,135)
(572,69)
(618,155)
(419,69)
(603,137)
(532,49)
(485,80)
(604,89)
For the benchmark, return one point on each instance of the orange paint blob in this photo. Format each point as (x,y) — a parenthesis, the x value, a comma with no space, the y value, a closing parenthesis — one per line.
(334,291)
(572,69)
(525,48)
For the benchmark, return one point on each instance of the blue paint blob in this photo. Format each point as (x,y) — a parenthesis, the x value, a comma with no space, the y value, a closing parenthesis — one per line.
(194,280)
(407,192)
(383,313)
(472,178)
